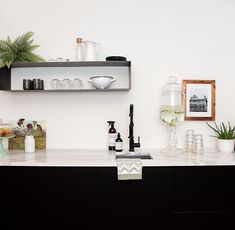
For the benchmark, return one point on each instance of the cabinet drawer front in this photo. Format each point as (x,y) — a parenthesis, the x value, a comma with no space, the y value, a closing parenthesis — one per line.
(209,188)
(204,221)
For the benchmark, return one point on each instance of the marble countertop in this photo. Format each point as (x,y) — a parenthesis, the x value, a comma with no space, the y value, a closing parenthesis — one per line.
(104,158)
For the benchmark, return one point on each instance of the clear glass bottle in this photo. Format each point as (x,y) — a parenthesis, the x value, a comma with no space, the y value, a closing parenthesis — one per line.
(172,112)
(79,49)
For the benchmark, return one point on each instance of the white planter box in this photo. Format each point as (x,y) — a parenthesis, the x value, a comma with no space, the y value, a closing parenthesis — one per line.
(225,146)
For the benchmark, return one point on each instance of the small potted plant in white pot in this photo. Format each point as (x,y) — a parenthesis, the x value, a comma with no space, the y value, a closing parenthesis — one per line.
(225,137)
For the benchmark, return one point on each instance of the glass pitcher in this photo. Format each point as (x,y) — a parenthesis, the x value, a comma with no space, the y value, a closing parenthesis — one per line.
(91,50)
(172,112)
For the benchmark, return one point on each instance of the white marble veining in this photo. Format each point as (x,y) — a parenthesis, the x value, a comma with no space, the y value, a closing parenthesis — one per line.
(99,158)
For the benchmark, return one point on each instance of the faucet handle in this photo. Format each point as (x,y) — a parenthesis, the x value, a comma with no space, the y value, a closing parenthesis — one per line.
(137,145)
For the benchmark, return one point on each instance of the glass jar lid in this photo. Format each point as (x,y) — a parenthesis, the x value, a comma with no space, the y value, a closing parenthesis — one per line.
(172,86)
(4,124)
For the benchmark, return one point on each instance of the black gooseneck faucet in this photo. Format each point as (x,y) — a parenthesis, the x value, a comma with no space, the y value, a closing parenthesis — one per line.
(132,144)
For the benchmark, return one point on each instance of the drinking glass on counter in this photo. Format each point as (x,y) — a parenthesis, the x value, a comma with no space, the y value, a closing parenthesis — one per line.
(198,144)
(189,141)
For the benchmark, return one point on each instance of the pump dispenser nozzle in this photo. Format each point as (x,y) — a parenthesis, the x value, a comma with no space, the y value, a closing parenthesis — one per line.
(111,123)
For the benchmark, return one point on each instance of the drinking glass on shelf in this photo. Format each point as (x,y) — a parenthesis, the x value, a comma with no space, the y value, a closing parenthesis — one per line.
(77,83)
(56,84)
(59,84)
(66,83)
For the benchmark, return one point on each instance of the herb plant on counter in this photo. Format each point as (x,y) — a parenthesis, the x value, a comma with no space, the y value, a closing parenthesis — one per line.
(225,137)
(223,132)
(18,50)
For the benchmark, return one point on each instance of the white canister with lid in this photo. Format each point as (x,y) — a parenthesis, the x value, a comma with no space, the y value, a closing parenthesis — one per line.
(29,144)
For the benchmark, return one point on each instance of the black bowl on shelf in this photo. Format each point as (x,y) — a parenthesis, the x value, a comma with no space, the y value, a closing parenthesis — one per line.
(116,58)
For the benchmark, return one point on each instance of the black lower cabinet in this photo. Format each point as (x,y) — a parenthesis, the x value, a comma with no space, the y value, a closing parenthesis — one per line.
(204,189)
(12,200)
(65,198)
(204,197)
(135,204)
(93,198)
(60,198)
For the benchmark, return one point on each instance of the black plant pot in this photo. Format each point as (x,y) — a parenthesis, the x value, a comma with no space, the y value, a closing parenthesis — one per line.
(5,78)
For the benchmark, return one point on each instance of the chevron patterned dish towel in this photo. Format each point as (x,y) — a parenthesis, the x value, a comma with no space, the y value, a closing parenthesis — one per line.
(129,169)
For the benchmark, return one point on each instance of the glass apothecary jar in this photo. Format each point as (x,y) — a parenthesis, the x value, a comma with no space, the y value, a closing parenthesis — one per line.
(172,112)
(6,132)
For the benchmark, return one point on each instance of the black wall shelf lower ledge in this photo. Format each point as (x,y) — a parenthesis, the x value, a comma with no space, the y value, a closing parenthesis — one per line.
(67,91)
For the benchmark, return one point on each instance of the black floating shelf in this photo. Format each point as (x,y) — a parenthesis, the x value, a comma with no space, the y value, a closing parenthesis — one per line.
(71,90)
(71,64)
(6,84)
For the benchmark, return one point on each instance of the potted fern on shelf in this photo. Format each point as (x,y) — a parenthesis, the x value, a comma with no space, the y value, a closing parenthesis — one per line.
(225,136)
(18,50)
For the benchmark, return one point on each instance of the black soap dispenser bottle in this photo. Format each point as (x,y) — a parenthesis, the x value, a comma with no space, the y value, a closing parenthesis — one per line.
(112,136)
(119,143)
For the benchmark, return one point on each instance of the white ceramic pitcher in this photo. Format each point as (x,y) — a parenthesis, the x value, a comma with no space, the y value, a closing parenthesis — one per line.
(91,50)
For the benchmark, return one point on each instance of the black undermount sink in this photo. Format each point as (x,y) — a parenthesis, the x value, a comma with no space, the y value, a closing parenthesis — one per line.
(131,155)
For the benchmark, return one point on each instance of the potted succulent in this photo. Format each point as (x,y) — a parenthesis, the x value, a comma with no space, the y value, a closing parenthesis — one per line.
(225,136)
(18,50)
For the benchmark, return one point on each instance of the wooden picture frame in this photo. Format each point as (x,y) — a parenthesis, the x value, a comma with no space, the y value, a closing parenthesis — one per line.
(199,100)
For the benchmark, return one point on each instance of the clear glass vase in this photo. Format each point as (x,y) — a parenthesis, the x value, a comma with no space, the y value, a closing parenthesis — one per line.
(171,148)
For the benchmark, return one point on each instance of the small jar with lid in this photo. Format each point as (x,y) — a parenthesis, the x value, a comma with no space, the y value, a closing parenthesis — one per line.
(6,130)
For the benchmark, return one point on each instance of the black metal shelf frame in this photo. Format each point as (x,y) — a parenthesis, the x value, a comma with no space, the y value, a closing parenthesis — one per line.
(5,73)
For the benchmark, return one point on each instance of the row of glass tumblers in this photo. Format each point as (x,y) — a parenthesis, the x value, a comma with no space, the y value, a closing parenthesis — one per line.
(194,143)
(76,83)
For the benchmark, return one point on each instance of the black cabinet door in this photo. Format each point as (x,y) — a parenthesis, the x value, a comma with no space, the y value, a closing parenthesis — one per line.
(11,193)
(60,198)
(204,221)
(210,188)
(135,204)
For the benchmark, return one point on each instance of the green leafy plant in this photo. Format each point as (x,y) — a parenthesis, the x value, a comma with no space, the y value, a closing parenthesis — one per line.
(223,132)
(18,50)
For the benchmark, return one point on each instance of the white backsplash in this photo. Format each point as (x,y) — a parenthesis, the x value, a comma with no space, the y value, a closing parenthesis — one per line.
(189,39)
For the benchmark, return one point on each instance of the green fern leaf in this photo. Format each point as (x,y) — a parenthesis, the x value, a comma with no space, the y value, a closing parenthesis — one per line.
(19,50)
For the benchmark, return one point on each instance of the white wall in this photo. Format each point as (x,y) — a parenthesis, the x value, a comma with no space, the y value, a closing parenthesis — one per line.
(186,38)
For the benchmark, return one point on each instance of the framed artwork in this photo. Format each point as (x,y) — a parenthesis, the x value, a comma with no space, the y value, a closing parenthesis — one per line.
(199,100)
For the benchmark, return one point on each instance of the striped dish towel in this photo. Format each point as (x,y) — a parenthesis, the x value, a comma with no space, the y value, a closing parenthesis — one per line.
(129,169)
